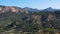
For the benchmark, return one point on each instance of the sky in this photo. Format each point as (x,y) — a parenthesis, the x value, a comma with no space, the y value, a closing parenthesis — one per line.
(39,4)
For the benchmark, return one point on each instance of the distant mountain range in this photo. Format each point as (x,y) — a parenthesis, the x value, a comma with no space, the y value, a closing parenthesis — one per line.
(31,9)
(37,10)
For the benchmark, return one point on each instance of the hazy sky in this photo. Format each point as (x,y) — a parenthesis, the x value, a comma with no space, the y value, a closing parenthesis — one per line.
(40,4)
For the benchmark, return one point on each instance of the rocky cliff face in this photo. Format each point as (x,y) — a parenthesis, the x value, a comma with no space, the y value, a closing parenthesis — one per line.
(12,9)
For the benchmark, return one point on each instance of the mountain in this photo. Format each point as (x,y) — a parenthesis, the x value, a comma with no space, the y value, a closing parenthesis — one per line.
(16,20)
(31,9)
(49,9)
(37,10)
(12,9)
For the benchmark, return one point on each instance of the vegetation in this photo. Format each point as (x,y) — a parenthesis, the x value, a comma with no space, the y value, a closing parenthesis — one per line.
(43,22)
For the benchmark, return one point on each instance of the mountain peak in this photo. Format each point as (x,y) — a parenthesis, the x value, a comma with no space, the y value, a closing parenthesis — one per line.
(49,9)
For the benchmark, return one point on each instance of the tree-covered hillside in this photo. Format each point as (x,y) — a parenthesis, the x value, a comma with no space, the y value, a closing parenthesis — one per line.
(40,22)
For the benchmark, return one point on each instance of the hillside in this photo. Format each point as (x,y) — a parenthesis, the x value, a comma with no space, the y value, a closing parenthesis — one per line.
(19,21)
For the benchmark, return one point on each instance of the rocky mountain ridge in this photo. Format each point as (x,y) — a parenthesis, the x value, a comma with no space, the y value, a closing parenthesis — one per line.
(12,9)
